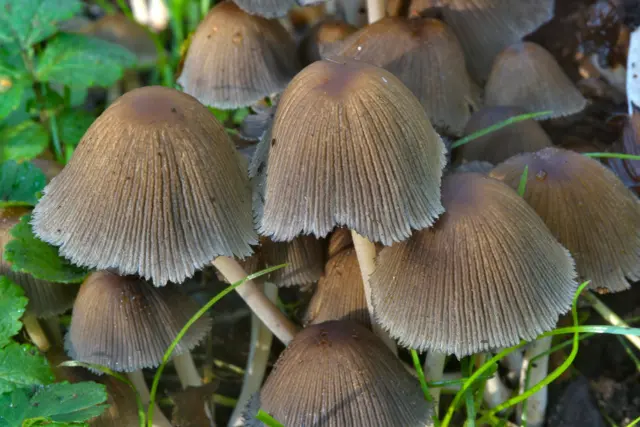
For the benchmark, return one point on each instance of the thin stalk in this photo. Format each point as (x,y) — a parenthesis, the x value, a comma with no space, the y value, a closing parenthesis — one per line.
(137,379)
(366,253)
(187,370)
(537,403)
(36,333)
(205,5)
(264,308)
(622,156)
(376,10)
(433,371)
(51,326)
(610,316)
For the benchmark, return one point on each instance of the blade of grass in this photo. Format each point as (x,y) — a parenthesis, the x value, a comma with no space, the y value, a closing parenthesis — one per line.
(423,384)
(511,120)
(522,185)
(268,419)
(183,331)
(621,156)
(634,422)
(609,315)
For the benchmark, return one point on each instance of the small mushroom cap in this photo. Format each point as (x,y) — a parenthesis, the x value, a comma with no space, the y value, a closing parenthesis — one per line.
(322,38)
(477,166)
(527,75)
(339,240)
(487,275)
(340,292)
(304,257)
(587,208)
(377,162)
(495,147)
(46,299)
(339,374)
(426,56)
(486,27)
(127,324)
(266,8)
(236,59)
(155,188)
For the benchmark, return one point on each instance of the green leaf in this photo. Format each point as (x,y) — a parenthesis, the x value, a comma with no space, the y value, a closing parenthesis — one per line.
(22,365)
(28,254)
(12,306)
(76,60)
(221,115)
(23,141)
(27,22)
(20,184)
(56,404)
(239,115)
(14,79)
(73,124)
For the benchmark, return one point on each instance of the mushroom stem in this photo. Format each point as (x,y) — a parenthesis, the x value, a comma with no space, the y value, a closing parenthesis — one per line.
(35,332)
(266,310)
(366,253)
(260,348)
(140,11)
(375,10)
(495,391)
(434,371)
(187,370)
(536,404)
(137,379)
(51,327)
(610,316)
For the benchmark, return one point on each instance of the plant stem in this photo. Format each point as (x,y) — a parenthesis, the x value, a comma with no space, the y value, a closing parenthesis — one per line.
(51,326)
(35,332)
(537,371)
(433,371)
(260,348)
(610,316)
(265,309)
(137,379)
(366,254)
(187,370)
(376,10)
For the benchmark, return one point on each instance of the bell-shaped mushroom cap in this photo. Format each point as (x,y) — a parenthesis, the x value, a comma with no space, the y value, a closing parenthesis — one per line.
(426,56)
(155,188)
(340,292)
(526,75)
(46,299)
(522,137)
(340,374)
(322,38)
(477,166)
(235,59)
(487,275)
(127,324)
(266,8)
(339,240)
(377,162)
(486,27)
(587,208)
(304,257)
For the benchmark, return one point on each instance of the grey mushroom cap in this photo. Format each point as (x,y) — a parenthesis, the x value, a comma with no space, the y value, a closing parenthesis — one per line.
(339,374)
(487,275)
(304,256)
(266,8)
(377,161)
(127,324)
(155,188)
(587,208)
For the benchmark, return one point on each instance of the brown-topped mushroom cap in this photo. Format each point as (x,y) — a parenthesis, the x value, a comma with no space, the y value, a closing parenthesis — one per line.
(46,299)
(488,274)
(127,324)
(155,188)
(304,257)
(527,75)
(522,137)
(339,240)
(322,37)
(339,374)
(426,56)
(349,146)
(340,292)
(235,59)
(587,208)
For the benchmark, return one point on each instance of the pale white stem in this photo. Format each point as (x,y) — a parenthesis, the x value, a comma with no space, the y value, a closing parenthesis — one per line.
(158,15)
(366,253)
(260,348)
(376,10)
(513,361)
(495,392)
(266,310)
(140,11)
(610,316)
(35,332)
(187,370)
(537,403)
(434,371)
(137,379)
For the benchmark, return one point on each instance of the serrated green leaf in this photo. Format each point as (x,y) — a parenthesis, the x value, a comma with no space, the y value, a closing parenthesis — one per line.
(13,407)
(22,365)
(28,254)
(73,124)
(81,61)
(20,184)
(12,306)
(23,141)
(14,79)
(27,22)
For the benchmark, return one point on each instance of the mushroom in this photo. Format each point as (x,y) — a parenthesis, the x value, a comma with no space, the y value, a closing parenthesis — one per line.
(236,59)
(266,8)
(587,208)
(339,374)
(526,75)
(339,240)
(304,257)
(377,162)
(495,147)
(426,56)
(477,166)
(322,38)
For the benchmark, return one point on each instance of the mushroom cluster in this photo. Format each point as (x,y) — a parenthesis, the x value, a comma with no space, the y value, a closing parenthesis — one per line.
(353,187)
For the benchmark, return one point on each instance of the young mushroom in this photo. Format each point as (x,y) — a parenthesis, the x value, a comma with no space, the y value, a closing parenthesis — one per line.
(339,374)
(236,59)
(322,38)
(304,257)
(527,75)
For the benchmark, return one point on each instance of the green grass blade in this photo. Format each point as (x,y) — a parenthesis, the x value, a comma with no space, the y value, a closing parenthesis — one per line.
(621,156)
(634,422)
(421,377)
(522,185)
(268,419)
